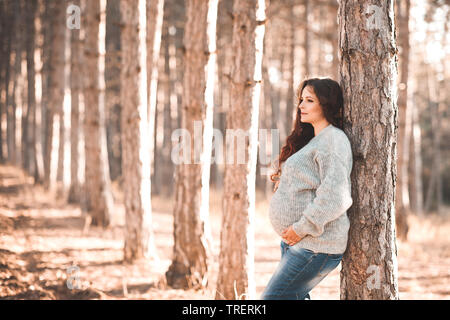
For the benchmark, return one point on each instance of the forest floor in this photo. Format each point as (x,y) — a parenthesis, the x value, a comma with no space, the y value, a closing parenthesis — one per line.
(45,252)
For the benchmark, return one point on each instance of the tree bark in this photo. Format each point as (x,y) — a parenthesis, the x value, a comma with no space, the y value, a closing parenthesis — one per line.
(99,201)
(56,86)
(236,260)
(306,42)
(192,247)
(30,161)
(75,92)
(402,196)
(368,70)
(139,240)
(113,86)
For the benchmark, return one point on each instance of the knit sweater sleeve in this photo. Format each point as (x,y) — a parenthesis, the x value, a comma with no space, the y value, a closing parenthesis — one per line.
(333,196)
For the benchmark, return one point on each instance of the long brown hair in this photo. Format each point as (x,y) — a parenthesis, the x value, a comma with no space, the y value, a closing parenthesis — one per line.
(331,99)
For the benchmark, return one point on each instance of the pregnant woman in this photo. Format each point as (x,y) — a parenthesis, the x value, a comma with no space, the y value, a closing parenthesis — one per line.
(312,194)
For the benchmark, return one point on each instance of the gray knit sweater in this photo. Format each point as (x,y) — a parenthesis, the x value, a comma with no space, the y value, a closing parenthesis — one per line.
(314,193)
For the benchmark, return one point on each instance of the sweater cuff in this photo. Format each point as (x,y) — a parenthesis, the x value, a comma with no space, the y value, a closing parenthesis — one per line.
(304,227)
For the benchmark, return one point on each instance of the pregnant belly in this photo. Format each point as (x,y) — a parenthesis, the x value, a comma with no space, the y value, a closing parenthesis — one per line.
(285,211)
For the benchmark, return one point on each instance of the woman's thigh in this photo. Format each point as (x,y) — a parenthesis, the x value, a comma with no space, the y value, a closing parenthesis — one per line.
(298,272)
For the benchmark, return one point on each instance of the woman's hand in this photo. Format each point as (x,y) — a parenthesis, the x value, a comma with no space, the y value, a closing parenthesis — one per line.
(276,186)
(290,237)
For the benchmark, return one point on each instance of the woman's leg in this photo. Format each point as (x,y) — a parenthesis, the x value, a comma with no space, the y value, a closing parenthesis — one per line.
(299,271)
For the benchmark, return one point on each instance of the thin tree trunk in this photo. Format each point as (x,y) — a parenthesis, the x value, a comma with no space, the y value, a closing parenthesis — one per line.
(113,85)
(75,86)
(367,41)
(63,115)
(236,260)
(16,64)
(192,247)
(306,42)
(435,184)
(56,86)
(290,107)
(155,14)
(416,162)
(139,239)
(30,161)
(97,187)
(333,8)
(3,56)
(402,196)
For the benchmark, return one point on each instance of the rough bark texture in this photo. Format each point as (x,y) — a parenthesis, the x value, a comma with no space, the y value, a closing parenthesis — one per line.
(97,186)
(135,139)
(192,245)
(368,64)
(236,260)
(402,197)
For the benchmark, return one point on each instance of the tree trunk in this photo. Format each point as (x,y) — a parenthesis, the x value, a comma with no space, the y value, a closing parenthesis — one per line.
(333,8)
(56,86)
(192,247)
(236,260)
(75,86)
(3,56)
(306,44)
(434,184)
(99,202)
(30,161)
(16,64)
(368,63)
(416,191)
(112,93)
(402,197)
(291,108)
(155,14)
(139,240)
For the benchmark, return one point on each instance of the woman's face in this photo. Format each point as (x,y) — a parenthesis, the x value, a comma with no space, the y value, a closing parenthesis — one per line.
(310,106)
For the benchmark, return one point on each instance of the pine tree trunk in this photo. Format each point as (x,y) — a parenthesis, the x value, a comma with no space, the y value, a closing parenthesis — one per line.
(306,42)
(97,187)
(62,114)
(155,14)
(30,118)
(16,64)
(402,197)
(192,247)
(416,184)
(236,260)
(3,55)
(75,92)
(56,86)
(368,69)
(139,240)
(112,93)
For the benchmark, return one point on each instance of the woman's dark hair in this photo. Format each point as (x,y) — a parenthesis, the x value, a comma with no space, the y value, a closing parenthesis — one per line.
(331,100)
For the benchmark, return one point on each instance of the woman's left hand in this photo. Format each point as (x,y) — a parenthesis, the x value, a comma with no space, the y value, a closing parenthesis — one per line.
(290,237)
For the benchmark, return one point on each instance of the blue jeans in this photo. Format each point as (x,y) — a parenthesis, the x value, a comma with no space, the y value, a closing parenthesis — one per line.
(298,272)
